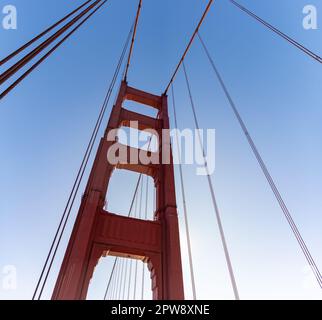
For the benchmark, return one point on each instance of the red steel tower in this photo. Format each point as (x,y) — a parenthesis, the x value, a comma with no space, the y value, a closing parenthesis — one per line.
(99,233)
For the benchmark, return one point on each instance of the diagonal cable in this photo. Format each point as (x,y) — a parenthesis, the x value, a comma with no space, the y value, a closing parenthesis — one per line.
(278,32)
(267,174)
(40,35)
(212,192)
(183,192)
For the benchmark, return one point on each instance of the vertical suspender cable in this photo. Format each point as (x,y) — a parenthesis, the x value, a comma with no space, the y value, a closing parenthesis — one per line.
(136,262)
(129,283)
(110,280)
(110,294)
(118,273)
(126,276)
(146,198)
(146,218)
(112,289)
(212,192)
(121,279)
(130,211)
(130,279)
(141,197)
(268,176)
(135,215)
(127,260)
(113,285)
(192,276)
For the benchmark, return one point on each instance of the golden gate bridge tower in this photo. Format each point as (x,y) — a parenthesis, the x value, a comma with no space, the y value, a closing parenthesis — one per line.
(99,233)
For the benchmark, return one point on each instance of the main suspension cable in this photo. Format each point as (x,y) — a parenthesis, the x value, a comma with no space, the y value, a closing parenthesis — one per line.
(133,40)
(183,192)
(212,191)
(43,58)
(278,32)
(81,171)
(23,61)
(40,35)
(267,174)
(188,46)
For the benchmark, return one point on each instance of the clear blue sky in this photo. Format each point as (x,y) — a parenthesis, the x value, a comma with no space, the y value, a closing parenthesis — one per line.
(46,122)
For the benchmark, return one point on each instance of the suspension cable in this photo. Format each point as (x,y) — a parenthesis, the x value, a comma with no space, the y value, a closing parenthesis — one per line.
(267,174)
(29,43)
(133,40)
(139,215)
(278,32)
(113,284)
(189,45)
(129,283)
(110,295)
(118,279)
(122,278)
(81,171)
(131,260)
(183,193)
(146,198)
(127,260)
(125,278)
(23,61)
(43,58)
(129,214)
(212,191)
(146,218)
(119,261)
(110,280)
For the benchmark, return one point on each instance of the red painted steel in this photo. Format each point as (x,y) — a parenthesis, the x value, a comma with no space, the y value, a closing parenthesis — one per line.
(98,233)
